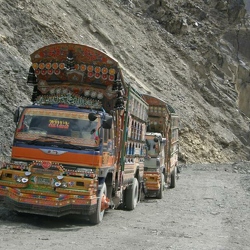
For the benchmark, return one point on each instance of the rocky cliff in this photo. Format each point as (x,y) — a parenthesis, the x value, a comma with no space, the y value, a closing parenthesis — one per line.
(193,54)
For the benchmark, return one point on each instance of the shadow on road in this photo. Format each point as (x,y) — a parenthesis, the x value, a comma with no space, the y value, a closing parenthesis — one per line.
(65,223)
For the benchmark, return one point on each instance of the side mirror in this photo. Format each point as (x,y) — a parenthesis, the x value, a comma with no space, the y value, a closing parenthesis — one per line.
(156,139)
(107,123)
(164,141)
(92,116)
(16,115)
(158,163)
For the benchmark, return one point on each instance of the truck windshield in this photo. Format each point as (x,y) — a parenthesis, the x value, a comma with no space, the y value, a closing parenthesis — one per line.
(152,147)
(61,125)
(153,153)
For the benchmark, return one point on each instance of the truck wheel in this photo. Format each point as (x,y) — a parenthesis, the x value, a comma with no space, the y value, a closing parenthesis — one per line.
(173,178)
(132,193)
(160,193)
(97,217)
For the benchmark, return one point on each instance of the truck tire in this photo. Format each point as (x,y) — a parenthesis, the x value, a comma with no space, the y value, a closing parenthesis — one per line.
(173,178)
(160,193)
(132,193)
(97,217)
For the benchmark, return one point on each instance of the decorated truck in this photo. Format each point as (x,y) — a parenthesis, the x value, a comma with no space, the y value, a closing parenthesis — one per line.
(162,146)
(79,147)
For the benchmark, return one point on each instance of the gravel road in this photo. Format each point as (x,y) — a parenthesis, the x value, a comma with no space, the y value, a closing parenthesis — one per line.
(208,209)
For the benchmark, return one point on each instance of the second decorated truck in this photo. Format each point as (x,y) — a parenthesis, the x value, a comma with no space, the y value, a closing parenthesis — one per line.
(162,147)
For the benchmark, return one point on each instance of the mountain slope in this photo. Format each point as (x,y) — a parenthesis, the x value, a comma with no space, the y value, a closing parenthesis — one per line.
(181,51)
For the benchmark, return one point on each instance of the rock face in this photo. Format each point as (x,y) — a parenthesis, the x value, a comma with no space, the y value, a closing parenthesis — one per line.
(193,54)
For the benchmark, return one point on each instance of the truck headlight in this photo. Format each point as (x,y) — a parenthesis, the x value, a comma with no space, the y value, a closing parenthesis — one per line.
(25,180)
(28,173)
(58,184)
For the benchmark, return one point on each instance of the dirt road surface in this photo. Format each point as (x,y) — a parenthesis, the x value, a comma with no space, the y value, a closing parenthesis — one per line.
(209,209)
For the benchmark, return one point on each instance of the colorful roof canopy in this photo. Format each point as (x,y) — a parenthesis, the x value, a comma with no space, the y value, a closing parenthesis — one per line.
(68,62)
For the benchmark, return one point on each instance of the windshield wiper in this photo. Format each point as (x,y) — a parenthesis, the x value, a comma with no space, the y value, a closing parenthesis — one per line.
(55,142)
(72,146)
(40,140)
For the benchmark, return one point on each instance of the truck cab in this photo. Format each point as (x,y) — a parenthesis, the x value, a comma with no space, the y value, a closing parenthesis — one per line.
(155,151)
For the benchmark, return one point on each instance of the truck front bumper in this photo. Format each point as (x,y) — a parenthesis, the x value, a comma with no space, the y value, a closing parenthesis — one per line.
(46,204)
(152,183)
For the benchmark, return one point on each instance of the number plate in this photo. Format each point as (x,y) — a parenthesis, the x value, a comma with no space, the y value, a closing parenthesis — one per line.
(43,181)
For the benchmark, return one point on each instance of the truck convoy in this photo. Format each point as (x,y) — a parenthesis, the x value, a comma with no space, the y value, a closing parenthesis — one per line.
(162,147)
(80,147)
